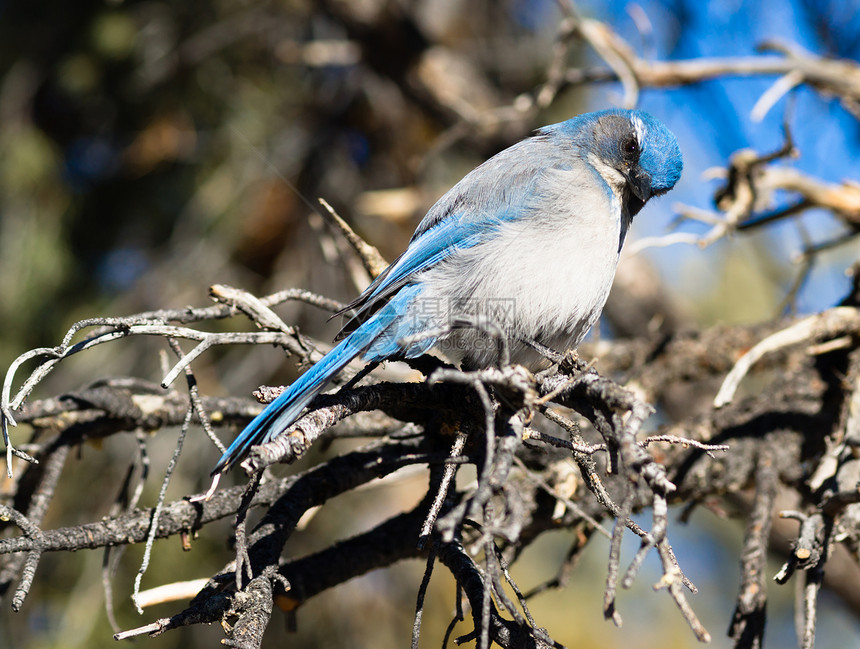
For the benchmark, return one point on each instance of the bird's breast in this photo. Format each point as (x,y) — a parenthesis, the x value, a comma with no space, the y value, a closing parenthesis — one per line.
(544,279)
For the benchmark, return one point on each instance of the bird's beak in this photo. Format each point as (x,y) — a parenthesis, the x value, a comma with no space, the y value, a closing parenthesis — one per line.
(640,184)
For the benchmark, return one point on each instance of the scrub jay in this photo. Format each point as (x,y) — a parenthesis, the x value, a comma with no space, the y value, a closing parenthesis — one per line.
(527,242)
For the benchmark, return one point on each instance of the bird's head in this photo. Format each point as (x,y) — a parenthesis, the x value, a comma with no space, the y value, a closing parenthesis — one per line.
(635,153)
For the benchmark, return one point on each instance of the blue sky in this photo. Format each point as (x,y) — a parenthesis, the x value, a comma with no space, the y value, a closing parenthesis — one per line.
(712,119)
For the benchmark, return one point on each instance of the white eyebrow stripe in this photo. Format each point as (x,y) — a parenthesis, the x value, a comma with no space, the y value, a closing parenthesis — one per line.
(638,128)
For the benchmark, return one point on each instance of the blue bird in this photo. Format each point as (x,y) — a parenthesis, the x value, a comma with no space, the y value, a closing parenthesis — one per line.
(528,241)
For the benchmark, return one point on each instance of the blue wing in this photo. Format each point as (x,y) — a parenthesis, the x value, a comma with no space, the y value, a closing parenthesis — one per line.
(426,251)
(501,189)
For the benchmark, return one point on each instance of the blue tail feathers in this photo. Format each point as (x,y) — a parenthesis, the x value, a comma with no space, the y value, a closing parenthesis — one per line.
(378,337)
(284,410)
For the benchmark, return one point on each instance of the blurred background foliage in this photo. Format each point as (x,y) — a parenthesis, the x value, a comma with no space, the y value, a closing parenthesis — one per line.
(150,149)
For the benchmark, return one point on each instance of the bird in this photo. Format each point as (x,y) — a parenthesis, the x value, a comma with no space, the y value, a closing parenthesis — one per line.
(527,243)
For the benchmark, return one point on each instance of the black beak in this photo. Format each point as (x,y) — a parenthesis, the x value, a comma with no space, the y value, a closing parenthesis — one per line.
(639,183)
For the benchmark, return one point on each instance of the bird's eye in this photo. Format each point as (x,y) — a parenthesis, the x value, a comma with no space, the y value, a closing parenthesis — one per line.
(629,148)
